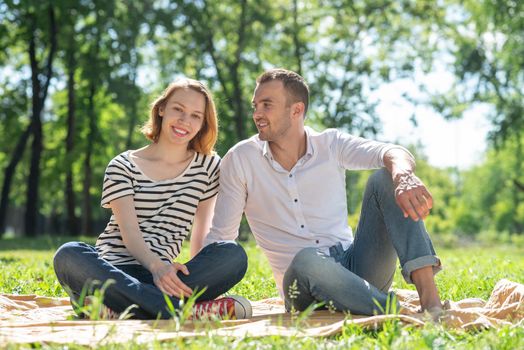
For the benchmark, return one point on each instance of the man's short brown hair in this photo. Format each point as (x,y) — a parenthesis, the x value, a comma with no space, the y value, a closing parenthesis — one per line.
(295,86)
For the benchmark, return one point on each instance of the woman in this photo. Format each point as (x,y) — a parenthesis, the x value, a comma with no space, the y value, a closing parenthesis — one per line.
(157,194)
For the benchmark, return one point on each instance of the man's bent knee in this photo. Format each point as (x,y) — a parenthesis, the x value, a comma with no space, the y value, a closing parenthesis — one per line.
(381,179)
(304,258)
(381,176)
(300,267)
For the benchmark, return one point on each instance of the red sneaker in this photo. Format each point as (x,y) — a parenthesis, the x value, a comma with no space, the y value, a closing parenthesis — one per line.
(230,307)
(105,312)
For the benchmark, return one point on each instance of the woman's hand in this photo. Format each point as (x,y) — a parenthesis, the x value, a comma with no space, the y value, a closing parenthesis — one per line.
(164,274)
(166,279)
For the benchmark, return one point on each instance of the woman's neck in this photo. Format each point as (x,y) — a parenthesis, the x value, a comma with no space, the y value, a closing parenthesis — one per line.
(168,153)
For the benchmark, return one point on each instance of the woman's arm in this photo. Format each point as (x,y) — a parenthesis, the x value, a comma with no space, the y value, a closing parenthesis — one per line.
(201,224)
(164,274)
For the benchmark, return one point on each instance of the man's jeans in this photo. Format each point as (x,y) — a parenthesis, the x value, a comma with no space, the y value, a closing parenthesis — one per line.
(217,267)
(358,279)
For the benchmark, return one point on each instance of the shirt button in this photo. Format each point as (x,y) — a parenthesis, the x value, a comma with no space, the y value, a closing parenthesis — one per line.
(290,175)
(301,226)
(296,200)
(317,241)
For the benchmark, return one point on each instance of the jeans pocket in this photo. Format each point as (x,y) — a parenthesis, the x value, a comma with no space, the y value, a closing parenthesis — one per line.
(337,252)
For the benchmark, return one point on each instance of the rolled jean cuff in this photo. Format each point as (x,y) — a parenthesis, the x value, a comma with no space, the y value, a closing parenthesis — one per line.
(418,263)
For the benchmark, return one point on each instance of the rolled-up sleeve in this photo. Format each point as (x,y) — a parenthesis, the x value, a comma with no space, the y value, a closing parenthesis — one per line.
(357,153)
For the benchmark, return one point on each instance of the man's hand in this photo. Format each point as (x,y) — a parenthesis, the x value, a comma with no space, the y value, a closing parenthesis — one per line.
(166,279)
(412,196)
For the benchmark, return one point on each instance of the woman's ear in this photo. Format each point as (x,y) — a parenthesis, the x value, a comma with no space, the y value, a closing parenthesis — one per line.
(161,111)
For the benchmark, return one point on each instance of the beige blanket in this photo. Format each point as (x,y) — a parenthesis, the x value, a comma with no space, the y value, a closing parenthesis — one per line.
(34,319)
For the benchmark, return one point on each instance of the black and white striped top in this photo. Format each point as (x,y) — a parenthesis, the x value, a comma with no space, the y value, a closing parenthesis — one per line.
(165,209)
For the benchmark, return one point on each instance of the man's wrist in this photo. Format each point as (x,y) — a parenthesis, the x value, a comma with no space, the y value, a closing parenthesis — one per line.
(401,174)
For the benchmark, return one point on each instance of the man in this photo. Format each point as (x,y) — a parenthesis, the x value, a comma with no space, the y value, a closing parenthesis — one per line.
(289,180)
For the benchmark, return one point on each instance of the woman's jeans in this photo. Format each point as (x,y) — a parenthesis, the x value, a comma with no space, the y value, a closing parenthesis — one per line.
(217,268)
(358,279)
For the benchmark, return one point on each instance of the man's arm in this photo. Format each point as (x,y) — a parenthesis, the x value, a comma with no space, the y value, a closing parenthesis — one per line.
(411,194)
(231,201)
(356,153)
(201,224)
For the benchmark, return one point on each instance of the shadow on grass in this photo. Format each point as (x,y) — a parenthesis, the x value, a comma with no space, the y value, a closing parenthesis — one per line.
(45,242)
(8,260)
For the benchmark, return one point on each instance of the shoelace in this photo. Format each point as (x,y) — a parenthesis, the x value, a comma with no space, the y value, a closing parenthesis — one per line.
(213,307)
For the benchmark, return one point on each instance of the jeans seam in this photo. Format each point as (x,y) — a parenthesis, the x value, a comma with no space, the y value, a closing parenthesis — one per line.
(388,283)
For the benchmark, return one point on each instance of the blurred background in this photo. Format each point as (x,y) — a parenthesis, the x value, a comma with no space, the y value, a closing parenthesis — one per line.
(444,78)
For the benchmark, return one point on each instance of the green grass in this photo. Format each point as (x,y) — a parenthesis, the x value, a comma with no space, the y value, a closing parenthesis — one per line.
(26,268)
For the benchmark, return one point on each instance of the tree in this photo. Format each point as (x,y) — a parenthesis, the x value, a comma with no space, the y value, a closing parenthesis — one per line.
(485,41)
(40,87)
(487,193)
(71,64)
(40,34)
(222,36)
(104,50)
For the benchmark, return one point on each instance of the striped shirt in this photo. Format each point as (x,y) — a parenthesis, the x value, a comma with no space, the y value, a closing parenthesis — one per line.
(165,209)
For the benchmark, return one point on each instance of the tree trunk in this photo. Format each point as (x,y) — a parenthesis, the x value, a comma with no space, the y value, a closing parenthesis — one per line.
(517,225)
(9,172)
(87,217)
(132,125)
(296,38)
(87,213)
(39,96)
(201,26)
(31,205)
(240,117)
(133,109)
(239,107)
(31,213)
(72,222)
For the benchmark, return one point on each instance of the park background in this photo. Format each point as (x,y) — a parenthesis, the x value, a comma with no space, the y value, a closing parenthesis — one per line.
(77,77)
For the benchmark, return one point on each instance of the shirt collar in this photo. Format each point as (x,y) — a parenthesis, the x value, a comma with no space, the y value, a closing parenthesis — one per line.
(266,150)
(309,145)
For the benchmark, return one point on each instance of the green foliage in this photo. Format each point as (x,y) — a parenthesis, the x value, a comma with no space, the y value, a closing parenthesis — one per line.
(440,183)
(122,54)
(485,40)
(443,188)
(491,198)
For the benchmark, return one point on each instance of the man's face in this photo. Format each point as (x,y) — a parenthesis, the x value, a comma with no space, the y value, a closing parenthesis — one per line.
(271,113)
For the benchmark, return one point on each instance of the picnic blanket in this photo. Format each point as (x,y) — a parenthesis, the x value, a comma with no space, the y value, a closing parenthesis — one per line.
(36,319)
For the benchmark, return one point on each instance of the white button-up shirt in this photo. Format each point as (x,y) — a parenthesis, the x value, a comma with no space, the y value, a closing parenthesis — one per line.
(291,210)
